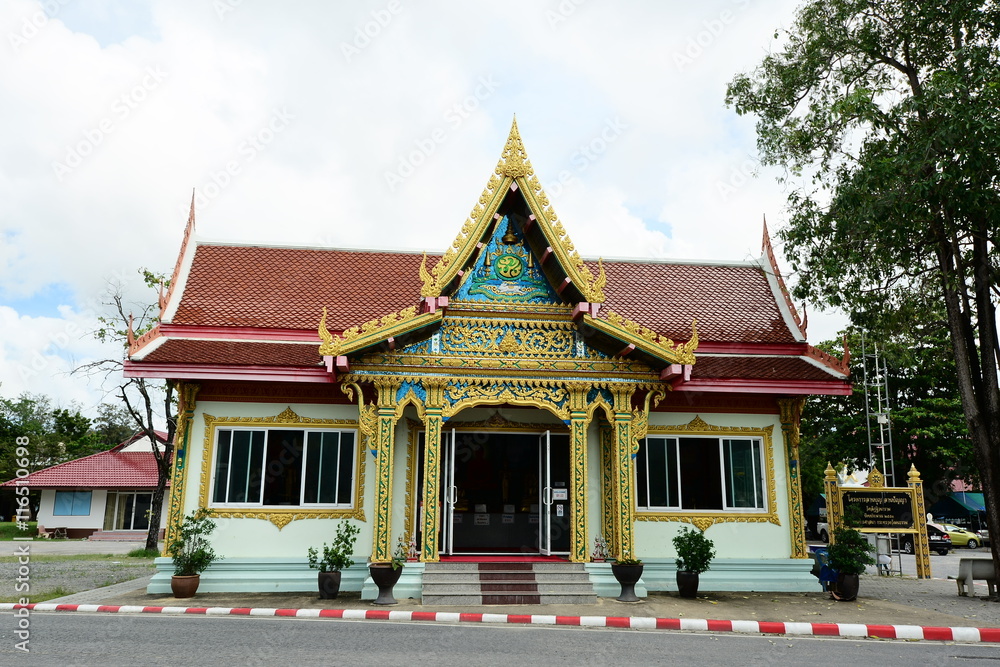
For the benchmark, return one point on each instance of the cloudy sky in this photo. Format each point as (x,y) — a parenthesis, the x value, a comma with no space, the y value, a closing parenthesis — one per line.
(361,124)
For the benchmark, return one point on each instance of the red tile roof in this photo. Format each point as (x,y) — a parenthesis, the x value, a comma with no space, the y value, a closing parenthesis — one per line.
(104,470)
(239,353)
(286,288)
(757,367)
(732,303)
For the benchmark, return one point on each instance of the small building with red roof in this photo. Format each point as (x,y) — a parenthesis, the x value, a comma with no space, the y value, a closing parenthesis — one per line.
(102,496)
(503,399)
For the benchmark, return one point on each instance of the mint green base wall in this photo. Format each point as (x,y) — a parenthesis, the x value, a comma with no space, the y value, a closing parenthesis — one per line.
(791,575)
(293,575)
(259,575)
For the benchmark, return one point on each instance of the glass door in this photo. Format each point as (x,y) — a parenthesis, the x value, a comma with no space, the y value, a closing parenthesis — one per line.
(449,494)
(545,494)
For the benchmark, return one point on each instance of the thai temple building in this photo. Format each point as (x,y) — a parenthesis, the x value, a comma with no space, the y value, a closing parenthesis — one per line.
(505,400)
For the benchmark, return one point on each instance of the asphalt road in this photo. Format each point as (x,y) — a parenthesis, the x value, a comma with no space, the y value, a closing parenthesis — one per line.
(90,639)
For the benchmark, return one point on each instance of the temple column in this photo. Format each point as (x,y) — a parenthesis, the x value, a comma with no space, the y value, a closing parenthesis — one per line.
(579,423)
(609,495)
(622,547)
(186,395)
(431,491)
(385,432)
(790,410)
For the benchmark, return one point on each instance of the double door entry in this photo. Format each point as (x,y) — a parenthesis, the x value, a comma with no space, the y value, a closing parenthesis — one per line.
(504,493)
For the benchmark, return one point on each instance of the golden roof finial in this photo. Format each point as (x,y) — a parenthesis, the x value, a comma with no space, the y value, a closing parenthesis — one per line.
(430,287)
(514,160)
(597,288)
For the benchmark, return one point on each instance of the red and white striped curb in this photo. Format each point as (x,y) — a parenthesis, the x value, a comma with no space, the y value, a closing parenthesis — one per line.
(958,634)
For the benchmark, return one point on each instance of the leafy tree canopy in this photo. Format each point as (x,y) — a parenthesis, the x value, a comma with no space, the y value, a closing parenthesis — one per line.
(886,115)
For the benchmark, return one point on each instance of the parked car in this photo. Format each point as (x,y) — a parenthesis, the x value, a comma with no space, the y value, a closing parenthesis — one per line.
(984,536)
(823,530)
(938,541)
(961,537)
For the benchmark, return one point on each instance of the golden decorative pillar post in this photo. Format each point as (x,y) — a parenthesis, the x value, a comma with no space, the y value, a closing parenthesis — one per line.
(832,489)
(923,548)
(186,395)
(609,495)
(790,410)
(431,492)
(579,423)
(622,520)
(385,432)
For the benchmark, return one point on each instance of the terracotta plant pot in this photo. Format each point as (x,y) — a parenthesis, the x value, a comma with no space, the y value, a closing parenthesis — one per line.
(385,577)
(687,584)
(329,585)
(184,585)
(628,576)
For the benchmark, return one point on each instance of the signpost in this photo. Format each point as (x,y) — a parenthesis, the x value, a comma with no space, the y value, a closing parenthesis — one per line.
(881,509)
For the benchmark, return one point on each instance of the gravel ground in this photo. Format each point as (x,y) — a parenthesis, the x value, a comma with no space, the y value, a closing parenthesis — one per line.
(71,576)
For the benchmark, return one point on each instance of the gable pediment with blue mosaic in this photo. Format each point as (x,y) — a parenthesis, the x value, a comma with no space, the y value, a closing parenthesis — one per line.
(506,271)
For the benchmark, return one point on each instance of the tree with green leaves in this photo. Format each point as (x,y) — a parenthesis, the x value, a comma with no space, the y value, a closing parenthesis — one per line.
(925,413)
(886,115)
(147,403)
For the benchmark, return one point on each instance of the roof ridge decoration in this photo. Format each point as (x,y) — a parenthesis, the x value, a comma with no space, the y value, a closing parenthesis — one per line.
(663,347)
(513,171)
(768,251)
(372,331)
(164,299)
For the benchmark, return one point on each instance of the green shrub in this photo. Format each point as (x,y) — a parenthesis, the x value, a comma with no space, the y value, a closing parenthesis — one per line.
(850,552)
(694,550)
(336,556)
(190,549)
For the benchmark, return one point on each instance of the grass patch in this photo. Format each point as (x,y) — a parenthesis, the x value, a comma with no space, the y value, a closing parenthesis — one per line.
(61,558)
(57,592)
(144,553)
(9,530)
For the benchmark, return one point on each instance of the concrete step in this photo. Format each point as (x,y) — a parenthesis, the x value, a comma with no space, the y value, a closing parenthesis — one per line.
(506,583)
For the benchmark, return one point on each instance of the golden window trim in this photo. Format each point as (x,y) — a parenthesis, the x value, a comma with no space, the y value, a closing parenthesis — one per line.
(279,517)
(703,520)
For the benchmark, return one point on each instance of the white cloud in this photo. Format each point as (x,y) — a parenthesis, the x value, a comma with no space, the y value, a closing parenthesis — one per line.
(82,82)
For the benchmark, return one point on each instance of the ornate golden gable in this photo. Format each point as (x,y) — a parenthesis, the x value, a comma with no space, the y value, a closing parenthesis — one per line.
(513,168)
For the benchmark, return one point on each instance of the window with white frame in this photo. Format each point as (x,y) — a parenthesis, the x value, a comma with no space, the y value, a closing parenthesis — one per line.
(72,503)
(277,466)
(700,473)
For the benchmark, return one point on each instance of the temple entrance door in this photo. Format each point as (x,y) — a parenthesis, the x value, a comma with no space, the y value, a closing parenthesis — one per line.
(553,468)
(449,495)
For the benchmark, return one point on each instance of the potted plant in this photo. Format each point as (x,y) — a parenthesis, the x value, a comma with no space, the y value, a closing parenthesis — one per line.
(627,571)
(191,552)
(385,575)
(849,553)
(335,558)
(694,553)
